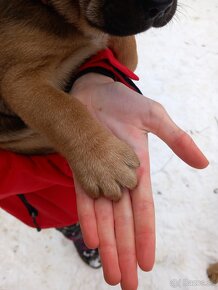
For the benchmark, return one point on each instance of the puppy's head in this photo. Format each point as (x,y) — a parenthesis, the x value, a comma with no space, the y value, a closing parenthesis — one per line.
(119,17)
(127,17)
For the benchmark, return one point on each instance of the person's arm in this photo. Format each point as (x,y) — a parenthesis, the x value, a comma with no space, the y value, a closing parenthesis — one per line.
(125,231)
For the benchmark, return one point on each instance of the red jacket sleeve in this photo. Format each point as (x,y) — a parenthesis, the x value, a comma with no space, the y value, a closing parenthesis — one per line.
(24,174)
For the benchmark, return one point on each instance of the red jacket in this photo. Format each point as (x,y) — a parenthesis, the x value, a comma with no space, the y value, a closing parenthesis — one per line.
(39,190)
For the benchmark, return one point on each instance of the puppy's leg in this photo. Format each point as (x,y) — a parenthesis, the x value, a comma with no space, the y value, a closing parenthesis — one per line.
(212,273)
(101,162)
(125,50)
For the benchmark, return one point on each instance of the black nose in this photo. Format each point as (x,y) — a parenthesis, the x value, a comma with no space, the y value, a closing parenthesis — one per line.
(159,8)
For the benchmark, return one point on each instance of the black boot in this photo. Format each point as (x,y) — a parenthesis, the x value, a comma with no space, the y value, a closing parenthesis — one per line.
(90,257)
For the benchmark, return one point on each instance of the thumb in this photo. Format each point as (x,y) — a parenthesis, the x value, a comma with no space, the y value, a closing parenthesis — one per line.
(178,140)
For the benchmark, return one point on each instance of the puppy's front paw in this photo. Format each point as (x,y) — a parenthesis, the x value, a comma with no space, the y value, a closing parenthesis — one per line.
(212,273)
(106,167)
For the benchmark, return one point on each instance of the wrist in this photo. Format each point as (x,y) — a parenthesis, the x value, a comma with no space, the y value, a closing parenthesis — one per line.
(88,86)
(90,80)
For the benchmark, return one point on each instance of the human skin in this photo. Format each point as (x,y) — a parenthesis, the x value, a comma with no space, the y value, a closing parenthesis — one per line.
(124,231)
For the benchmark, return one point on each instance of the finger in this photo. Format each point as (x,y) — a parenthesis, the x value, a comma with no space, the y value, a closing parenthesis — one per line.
(125,238)
(184,147)
(87,218)
(144,215)
(178,140)
(107,241)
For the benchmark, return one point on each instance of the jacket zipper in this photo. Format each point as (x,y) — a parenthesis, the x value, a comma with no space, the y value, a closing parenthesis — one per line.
(33,212)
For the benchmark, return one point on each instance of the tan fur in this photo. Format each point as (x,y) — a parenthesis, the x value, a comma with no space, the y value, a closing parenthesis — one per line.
(212,273)
(125,50)
(36,61)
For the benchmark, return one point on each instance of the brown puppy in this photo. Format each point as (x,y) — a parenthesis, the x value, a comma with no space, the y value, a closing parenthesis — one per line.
(40,46)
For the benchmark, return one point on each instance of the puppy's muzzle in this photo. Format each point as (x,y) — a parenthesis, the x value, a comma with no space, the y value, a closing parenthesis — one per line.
(159,8)
(124,17)
(160,12)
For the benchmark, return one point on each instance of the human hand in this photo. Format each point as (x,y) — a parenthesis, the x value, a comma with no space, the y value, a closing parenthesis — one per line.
(125,231)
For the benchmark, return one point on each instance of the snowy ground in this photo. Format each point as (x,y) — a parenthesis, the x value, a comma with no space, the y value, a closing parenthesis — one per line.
(178,66)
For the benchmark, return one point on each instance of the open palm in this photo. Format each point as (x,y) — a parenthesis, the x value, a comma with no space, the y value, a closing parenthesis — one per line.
(124,231)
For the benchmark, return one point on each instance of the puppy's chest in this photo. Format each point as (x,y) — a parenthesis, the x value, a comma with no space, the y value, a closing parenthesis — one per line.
(66,67)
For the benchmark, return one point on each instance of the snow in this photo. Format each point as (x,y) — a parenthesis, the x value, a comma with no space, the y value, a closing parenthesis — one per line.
(178,67)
